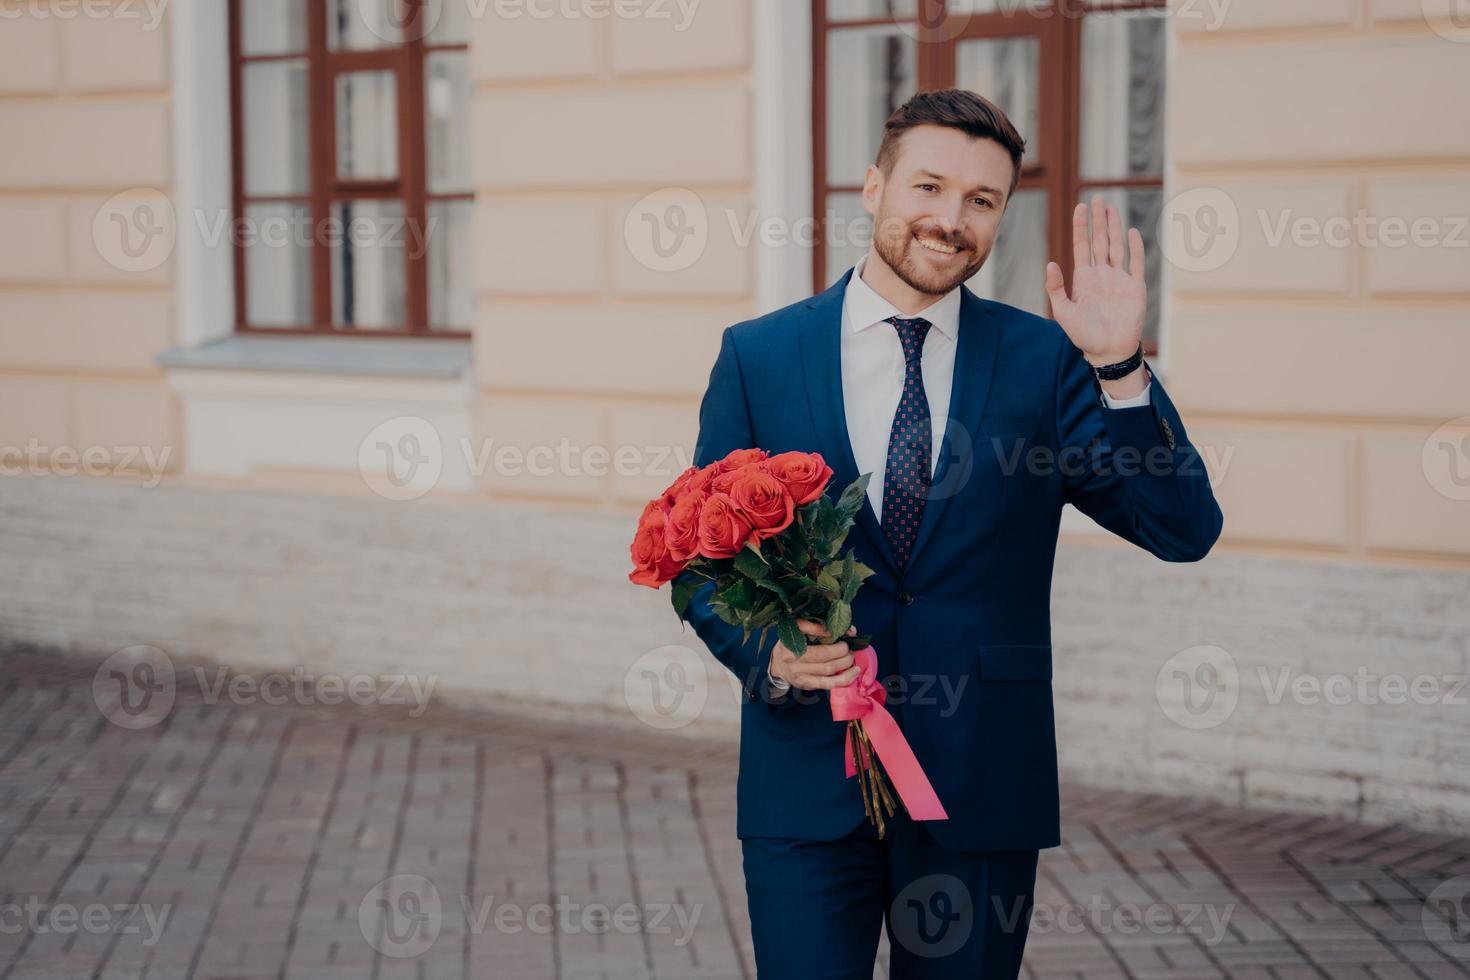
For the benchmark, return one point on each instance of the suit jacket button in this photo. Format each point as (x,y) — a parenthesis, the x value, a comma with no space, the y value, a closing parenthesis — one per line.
(907,598)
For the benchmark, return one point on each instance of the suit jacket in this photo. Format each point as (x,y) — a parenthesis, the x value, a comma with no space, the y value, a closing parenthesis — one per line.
(963,633)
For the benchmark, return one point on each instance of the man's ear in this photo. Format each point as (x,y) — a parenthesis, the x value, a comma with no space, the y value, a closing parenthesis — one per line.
(872,188)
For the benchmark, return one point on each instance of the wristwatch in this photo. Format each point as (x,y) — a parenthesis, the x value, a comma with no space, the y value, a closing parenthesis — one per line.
(1112,372)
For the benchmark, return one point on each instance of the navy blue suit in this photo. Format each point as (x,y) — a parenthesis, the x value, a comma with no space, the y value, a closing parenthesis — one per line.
(963,632)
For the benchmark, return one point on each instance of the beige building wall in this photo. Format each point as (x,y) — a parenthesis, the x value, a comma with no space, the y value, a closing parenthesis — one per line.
(84,112)
(589,134)
(1321,351)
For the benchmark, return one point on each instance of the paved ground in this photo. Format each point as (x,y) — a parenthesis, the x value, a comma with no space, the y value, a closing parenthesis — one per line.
(235,841)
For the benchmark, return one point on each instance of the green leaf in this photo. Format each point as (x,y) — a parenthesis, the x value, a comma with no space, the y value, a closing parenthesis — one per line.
(725,613)
(752,563)
(839,618)
(829,582)
(740,594)
(791,635)
(851,500)
(770,586)
(683,592)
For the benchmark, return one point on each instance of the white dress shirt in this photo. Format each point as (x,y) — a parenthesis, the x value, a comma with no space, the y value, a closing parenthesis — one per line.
(873,371)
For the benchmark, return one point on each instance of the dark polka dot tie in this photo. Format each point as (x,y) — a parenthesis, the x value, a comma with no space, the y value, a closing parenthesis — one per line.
(910,444)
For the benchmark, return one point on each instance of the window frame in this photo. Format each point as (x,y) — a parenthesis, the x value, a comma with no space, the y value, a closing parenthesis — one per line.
(1053,161)
(407,61)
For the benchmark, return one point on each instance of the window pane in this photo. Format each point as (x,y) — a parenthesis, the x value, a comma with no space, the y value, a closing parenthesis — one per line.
(863,9)
(849,233)
(368,265)
(272,26)
(870,72)
(367,125)
(1006,71)
(446,121)
(277,152)
(1015,273)
(451,265)
(1011,7)
(1123,95)
(1141,208)
(353,25)
(449,21)
(277,265)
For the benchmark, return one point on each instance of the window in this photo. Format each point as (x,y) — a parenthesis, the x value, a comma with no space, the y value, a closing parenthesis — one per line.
(352,179)
(1083,80)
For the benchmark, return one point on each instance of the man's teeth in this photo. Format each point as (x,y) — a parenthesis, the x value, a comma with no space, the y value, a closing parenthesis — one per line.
(935,246)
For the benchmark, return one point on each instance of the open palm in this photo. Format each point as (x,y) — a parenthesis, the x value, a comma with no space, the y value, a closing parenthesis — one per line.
(1105,313)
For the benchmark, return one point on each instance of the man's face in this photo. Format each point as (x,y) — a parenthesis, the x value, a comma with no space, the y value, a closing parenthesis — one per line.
(936,215)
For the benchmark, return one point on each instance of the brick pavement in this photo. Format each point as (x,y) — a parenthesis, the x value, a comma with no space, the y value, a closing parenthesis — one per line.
(240,841)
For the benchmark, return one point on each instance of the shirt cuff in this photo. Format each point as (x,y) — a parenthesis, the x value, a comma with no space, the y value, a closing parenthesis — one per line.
(1139,399)
(777,684)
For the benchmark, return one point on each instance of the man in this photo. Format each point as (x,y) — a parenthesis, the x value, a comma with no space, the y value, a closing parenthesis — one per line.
(978,422)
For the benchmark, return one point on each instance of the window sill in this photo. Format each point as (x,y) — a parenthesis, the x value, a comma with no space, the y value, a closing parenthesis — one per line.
(357,356)
(260,405)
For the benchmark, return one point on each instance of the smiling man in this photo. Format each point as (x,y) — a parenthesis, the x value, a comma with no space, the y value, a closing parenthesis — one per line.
(979,422)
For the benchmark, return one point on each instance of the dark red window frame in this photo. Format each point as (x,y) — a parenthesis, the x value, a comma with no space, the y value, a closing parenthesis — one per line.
(1053,161)
(325,187)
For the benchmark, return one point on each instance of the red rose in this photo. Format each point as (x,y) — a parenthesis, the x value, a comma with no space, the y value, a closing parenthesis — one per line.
(737,458)
(652,563)
(677,488)
(805,474)
(723,527)
(723,481)
(681,533)
(763,499)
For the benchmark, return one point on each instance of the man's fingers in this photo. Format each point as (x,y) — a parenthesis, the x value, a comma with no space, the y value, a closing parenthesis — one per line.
(811,627)
(1081,243)
(1116,241)
(823,654)
(812,682)
(825,668)
(1099,231)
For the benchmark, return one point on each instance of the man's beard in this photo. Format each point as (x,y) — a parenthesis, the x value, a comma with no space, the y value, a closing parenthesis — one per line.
(900,255)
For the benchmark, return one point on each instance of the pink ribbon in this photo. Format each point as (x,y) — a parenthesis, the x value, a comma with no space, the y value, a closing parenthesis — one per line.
(863,699)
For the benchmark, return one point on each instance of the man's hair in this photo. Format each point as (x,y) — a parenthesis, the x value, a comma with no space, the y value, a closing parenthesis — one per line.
(957,108)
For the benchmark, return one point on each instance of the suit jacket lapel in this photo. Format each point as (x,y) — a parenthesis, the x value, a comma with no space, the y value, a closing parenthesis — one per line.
(821,354)
(974,362)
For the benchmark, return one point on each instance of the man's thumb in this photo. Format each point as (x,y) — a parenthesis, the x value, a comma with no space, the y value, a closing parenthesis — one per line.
(1056,285)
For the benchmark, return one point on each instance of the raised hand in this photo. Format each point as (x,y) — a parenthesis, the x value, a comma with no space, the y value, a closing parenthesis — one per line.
(1104,315)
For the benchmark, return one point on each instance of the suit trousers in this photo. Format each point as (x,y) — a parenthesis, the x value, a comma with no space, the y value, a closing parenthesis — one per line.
(816,906)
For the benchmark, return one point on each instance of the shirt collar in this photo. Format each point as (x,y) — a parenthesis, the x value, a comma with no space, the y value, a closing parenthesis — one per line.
(865,308)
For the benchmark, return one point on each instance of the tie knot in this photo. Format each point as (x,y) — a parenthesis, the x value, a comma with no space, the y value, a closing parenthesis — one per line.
(911,334)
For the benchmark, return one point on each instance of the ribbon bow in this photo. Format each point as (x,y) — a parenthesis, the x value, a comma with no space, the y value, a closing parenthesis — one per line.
(863,700)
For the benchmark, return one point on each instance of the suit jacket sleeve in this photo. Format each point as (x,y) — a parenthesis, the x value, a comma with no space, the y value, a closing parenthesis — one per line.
(724,425)
(1133,470)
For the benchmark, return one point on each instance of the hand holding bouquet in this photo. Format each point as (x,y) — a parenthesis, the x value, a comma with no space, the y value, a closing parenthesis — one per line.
(764,531)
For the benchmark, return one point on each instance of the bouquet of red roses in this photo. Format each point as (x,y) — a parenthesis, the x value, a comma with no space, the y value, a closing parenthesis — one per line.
(764,530)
